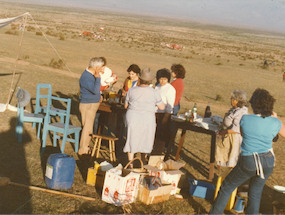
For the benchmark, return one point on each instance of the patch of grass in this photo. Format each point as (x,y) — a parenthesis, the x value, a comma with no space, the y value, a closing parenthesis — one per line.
(26,57)
(39,33)
(61,37)
(56,64)
(12,32)
(31,28)
(218,97)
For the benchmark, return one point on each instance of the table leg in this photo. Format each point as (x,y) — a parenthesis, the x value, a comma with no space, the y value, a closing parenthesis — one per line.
(181,141)
(212,157)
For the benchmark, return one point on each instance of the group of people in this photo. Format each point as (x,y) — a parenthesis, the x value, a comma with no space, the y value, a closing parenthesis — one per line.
(245,140)
(246,146)
(148,107)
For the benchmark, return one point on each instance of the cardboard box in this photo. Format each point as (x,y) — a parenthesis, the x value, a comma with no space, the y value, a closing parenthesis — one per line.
(170,175)
(201,189)
(147,196)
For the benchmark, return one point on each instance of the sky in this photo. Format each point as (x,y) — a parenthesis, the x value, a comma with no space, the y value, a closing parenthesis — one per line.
(266,15)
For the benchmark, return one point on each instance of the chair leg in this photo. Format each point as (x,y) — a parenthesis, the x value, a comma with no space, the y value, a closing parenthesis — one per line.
(76,141)
(19,131)
(34,123)
(114,150)
(54,139)
(44,138)
(63,143)
(110,151)
(94,147)
(39,130)
(20,137)
(99,146)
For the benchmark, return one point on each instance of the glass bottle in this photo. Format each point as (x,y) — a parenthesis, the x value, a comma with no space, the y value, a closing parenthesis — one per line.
(208,112)
(194,111)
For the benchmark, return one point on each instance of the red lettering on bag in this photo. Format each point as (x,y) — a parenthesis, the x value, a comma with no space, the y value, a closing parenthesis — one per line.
(130,185)
(106,191)
(129,196)
(173,186)
(155,174)
(116,195)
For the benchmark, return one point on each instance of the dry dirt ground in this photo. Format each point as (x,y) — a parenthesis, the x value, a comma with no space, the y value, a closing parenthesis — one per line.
(218,60)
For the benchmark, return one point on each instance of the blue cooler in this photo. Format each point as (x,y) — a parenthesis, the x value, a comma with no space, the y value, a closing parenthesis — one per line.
(60,171)
(201,189)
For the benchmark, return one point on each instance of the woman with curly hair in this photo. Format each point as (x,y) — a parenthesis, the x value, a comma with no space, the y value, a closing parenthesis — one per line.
(132,80)
(256,161)
(178,74)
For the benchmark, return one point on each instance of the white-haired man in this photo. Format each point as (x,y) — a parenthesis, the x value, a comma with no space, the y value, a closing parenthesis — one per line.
(90,82)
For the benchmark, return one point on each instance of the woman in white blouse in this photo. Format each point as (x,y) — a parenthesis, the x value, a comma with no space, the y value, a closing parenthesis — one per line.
(167,93)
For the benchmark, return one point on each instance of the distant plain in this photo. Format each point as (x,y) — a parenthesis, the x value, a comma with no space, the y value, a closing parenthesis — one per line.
(217,60)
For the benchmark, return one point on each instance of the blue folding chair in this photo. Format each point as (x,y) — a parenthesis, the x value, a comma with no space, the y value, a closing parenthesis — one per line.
(60,127)
(46,95)
(23,98)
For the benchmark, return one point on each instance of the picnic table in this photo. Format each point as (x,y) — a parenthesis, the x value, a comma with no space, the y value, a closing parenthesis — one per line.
(111,112)
(197,127)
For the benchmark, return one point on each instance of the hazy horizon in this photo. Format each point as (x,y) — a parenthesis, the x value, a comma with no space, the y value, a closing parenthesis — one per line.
(268,15)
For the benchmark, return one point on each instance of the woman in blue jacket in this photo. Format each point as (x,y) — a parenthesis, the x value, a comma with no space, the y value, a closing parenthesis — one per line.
(256,161)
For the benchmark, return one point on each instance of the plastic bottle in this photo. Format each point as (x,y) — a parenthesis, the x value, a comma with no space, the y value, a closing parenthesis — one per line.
(208,112)
(194,111)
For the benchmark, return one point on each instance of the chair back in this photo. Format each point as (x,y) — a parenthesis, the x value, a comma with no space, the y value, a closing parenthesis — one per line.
(65,112)
(39,96)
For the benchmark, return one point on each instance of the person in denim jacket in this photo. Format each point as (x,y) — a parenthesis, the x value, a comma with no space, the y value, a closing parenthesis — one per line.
(256,161)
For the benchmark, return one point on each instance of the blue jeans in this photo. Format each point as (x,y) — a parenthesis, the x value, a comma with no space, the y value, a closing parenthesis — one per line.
(244,170)
(176,109)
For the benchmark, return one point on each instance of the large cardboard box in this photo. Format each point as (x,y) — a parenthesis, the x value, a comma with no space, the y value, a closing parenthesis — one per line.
(147,196)
(169,175)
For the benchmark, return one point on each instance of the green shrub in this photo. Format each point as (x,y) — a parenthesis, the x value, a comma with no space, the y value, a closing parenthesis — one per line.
(14,26)
(39,33)
(31,28)
(56,64)
(12,32)
(26,57)
(219,97)
(61,37)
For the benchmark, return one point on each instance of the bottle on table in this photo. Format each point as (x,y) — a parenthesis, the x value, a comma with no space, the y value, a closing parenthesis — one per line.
(194,112)
(186,116)
(208,112)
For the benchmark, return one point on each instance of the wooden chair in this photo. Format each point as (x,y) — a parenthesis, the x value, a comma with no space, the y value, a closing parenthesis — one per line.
(26,117)
(46,95)
(60,127)
(97,139)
